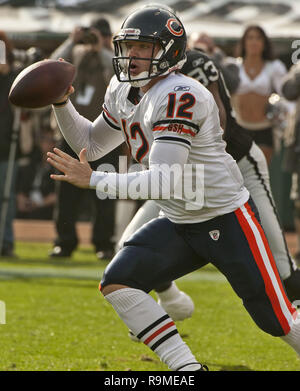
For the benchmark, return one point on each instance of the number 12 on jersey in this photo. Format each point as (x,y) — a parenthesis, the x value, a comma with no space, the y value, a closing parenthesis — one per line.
(188,100)
(134,130)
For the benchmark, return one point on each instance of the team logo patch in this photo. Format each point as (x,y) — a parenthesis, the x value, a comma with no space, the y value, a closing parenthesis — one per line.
(174,27)
(182,88)
(215,234)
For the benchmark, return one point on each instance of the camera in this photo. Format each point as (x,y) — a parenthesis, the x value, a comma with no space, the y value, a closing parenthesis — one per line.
(88,37)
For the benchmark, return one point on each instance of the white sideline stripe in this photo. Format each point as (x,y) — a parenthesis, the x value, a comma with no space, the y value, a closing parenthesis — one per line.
(90,274)
(83,274)
(268,266)
(204,276)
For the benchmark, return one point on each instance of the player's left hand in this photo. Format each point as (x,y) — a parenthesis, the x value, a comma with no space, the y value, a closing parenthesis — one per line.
(76,172)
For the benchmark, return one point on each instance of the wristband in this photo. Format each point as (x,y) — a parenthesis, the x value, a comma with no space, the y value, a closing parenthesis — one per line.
(61,103)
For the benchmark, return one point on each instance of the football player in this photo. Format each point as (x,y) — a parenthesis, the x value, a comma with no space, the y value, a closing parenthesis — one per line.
(169,119)
(254,169)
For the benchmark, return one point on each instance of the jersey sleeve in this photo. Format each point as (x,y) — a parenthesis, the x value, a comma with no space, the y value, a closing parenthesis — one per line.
(109,112)
(204,70)
(179,117)
(291,83)
(278,72)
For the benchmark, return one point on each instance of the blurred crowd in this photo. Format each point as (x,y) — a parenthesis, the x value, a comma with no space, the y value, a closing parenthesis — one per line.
(265,95)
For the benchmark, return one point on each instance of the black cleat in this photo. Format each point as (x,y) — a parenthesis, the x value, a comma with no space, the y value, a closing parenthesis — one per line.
(203,367)
(104,254)
(59,252)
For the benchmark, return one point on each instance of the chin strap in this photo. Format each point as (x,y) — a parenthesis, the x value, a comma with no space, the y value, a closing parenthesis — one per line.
(140,83)
(143,83)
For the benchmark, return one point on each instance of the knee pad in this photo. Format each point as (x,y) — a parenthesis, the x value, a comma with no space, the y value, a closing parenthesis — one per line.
(115,275)
(126,269)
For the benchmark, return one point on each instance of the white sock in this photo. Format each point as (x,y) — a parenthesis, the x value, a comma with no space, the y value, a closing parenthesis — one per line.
(169,294)
(153,326)
(293,337)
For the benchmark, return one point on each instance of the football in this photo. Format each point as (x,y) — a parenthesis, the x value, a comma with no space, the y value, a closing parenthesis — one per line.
(42,83)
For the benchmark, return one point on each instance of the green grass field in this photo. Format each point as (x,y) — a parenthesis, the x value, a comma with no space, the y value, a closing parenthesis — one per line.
(56,320)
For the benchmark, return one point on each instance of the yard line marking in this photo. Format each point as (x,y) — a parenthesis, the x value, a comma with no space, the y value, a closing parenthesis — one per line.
(91,274)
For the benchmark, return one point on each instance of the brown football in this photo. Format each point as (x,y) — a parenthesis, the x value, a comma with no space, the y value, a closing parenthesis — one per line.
(42,83)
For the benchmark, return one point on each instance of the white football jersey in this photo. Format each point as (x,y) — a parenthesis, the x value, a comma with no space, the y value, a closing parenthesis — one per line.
(179,110)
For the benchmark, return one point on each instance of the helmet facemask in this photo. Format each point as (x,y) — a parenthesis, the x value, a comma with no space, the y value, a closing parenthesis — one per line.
(158,65)
(156,26)
(122,62)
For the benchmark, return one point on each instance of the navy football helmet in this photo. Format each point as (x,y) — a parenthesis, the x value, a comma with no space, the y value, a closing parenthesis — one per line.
(154,25)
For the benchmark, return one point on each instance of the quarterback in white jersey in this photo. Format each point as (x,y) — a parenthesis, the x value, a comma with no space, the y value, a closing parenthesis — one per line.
(185,116)
(170,119)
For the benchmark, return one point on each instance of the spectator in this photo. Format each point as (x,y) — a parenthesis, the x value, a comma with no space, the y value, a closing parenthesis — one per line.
(7,155)
(103,26)
(260,76)
(203,42)
(85,48)
(36,195)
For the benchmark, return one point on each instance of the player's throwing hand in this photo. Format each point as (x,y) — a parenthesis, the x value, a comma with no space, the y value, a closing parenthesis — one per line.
(76,172)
